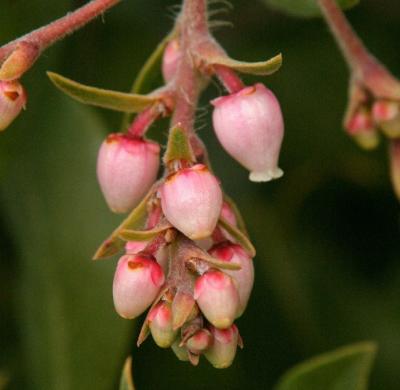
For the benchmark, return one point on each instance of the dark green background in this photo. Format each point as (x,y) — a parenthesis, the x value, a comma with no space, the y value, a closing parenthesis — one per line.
(327,233)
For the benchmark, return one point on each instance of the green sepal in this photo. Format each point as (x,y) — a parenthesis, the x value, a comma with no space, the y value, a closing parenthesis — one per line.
(126,381)
(182,307)
(178,147)
(144,235)
(344,368)
(217,263)
(239,237)
(261,68)
(305,8)
(113,244)
(113,100)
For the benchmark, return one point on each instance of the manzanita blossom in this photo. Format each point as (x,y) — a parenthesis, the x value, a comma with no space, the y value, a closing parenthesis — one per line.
(244,277)
(217,297)
(191,199)
(12,100)
(223,349)
(249,125)
(137,281)
(160,323)
(126,169)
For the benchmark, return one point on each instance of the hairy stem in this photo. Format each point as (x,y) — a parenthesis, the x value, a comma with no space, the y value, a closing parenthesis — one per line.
(47,35)
(228,78)
(193,22)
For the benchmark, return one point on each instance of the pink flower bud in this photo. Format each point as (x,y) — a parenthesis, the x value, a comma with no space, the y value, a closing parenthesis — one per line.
(191,200)
(244,277)
(217,297)
(137,281)
(134,247)
(160,323)
(362,128)
(19,61)
(199,342)
(387,114)
(249,125)
(126,169)
(12,100)
(223,349)
(180,352)
(170,61)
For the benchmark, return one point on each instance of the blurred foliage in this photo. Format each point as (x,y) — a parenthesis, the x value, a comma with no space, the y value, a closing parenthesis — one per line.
(305,8)
(327,233)
(345,368)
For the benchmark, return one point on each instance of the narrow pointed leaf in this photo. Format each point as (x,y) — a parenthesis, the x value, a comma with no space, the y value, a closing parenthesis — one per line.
(345,368)
(305,8)
(126,382)
(178,147)
(261,68)
(238,236)
(114,100)
(113,244)
(143,235)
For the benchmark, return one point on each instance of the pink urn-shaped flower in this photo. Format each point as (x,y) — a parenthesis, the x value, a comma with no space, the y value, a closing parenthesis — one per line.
(12,100)
(244,277)
(217,297)
(170,61)
(223,349)
(126,169)
(249,125)
(137,281)
(191,200)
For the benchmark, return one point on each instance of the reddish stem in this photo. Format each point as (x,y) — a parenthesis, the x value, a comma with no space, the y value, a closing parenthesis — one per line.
(45,36)
(229,78)
(144,120)
(364,66)
(194,27)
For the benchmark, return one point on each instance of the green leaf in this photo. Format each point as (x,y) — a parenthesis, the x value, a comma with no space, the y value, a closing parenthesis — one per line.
(118,101)
(305,8)
(144,235)
(178,147)
(261,68)
(113,244)
(240,237)
(345,368)
(126,382)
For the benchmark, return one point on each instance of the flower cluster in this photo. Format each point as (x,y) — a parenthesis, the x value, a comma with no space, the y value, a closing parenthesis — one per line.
(369,117)
(191,263)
